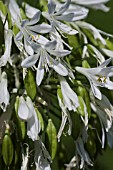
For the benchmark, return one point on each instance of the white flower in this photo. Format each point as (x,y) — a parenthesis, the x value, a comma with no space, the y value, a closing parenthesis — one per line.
(84,156)
(8,42)
(98,76)
(43,49)
(4,94)
(104,109)
(55,17)
(95,31)
(42,158)
(96,4)
(25,159)
(27,113)
(70,98)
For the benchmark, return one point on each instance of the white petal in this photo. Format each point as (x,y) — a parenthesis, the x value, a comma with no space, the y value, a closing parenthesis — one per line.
(29,10)
(35,19)
(30,61)
(109,84)
(23,110)
(39,73)
(67,29)
(107,52)
(64,7)
(14,10)
(51,6)
(96,91)
(51,45)
(42,28)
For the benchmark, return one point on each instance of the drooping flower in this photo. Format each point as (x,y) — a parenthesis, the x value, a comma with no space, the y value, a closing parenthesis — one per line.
(4,94)
(27,113)
(104,109)
(95,4)
(8,42)
(70,98)
(42,158)
(98,76)
(43,49)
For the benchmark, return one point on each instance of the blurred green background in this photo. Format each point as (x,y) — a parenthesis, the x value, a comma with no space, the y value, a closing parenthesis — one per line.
(103,21)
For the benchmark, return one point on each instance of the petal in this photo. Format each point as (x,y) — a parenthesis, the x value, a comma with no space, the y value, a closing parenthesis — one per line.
(14,10)
(30,61)
(107,52)
(67,29)
(23,110)
(96,91)
(41,28)
(57,66)
(29,10)
(40,73)
(28,48)
(64,7)
(51,45)
(59,53)
(66,17)
(109,84)
(51,6)
(35,19)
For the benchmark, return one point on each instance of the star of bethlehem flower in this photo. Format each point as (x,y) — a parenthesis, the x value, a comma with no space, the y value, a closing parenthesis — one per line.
(42,158)
(55,17)
(27,113)
(43,49)
(27,27)
(68,100)
(4,94)
(104,109)
(98,76)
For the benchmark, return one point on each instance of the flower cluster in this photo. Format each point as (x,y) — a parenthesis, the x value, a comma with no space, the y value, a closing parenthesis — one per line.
(52,47)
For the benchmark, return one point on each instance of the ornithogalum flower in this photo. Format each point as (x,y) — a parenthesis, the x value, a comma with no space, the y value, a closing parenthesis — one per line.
(42,158)
(4,94)
(70,98)
(98,76)
(104,109)
(43,48)
(56,17)
(27,113)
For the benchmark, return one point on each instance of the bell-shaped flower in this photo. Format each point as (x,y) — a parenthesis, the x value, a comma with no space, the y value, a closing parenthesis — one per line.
(95,4)
(4,94)
(56,16)
(27,113)
(98,76)
(43,49)
(8,43)
(104,109)
(42,158)
(70,98)
(80,151)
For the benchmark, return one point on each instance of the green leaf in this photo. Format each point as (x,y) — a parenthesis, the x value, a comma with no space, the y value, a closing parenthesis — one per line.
(7,150)
(30,84)
(40,118)
(52,138)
